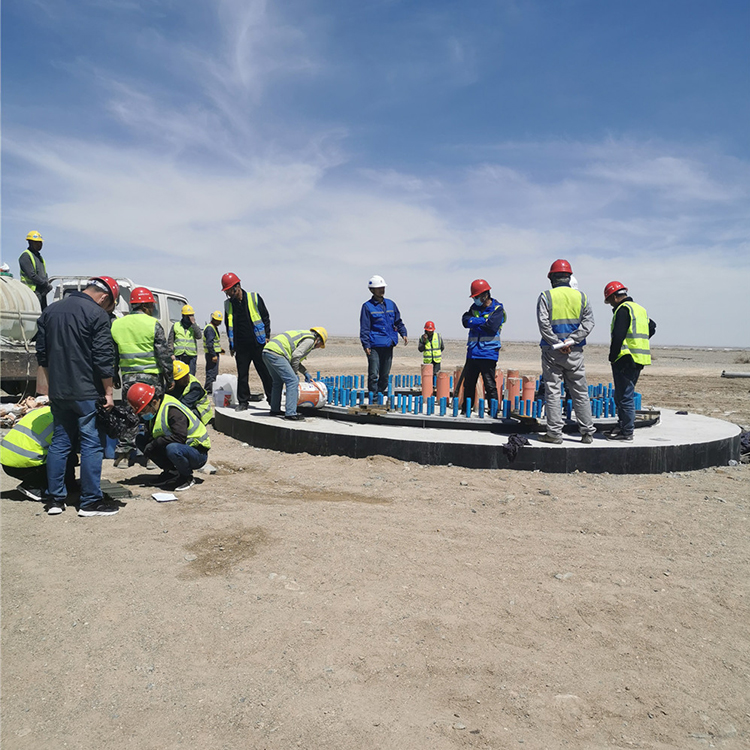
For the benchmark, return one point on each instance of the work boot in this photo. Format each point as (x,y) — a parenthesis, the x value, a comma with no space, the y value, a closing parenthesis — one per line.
(257,397)
(244,406)
(295,417)
(547,438)
(587,439)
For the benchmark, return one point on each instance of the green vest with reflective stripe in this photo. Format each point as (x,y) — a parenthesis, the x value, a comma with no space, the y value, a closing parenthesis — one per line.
(34,258)
(203,406)
(636,342)
(566,306)
(184,341)
(134,336)
(216,342)
(285,343)
(433,354)
(26,445)
(251,300)
(197,433)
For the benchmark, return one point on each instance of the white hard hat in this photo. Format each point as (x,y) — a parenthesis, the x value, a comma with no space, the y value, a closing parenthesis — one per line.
(376,282)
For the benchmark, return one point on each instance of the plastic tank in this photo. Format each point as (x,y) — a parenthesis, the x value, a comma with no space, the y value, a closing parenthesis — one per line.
(19,311)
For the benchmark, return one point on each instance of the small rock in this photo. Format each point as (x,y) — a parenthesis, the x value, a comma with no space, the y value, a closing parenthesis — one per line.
(208,469)
(190,558)
(508,498)
(244,445)
(545,492)
(459,725)
(464,484)
(563,576)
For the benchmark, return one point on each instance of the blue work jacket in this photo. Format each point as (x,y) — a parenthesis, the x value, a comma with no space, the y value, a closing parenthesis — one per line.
(380,324)
(484,326)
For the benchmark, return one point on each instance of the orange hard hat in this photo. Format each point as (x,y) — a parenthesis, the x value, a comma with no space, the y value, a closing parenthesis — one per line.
(478,286)
(140,295)
(560,266)
(140,396)
(112,286)
(612,288)
(429,326)
(228,280)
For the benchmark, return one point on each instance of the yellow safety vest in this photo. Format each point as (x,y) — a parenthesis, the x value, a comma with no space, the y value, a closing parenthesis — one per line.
(26,445)
(636,342)
(34,257)
(566,308)
(197,433)
(184,341)
(251,300)
(285,343)
(203,407)
(134,336)
(217,340)
(433,354)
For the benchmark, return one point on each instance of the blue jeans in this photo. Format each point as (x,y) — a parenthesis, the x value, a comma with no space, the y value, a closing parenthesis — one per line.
(625,376)
(282,374)
(75,420)
(379,368)
(185,458)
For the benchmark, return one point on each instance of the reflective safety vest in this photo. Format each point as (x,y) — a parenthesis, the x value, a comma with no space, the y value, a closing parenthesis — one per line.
(34,260)
(216,345)
(251,300)
(203,407)
(197,436)
(636,342)
(285,343)
(26,445)
(134,336)
(566,306)
(184,341)
(433,354)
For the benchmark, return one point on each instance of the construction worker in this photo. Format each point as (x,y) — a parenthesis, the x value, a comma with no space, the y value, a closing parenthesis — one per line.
(248,328)
(142,353)
(380,325)
(188,390)
(183,337)
(74,346)
(283,356)
(432,345)
(177,441)
(5,271)
(212,349)
(484,319)
(565,320)
(629,353)
(34,269)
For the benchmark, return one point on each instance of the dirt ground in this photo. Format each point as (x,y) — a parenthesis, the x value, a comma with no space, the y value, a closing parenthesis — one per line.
(325,602)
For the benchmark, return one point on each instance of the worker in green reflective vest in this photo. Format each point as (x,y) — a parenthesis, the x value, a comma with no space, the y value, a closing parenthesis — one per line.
(212,349)
(34,269)
(188,390)
(431,345)
(629,353)
(184,338)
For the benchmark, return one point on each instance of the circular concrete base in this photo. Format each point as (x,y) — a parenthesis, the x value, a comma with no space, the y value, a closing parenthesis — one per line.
(677,443)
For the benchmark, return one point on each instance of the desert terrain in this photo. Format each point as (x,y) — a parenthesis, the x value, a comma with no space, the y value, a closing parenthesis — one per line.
(295,601)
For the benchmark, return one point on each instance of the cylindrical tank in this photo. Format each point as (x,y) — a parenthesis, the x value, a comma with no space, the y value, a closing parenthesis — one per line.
(313,394)
(443,385)
(426,381)
(19,311)
(513,381)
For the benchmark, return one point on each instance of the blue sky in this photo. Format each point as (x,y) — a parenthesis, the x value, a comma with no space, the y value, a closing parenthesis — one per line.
(306,146)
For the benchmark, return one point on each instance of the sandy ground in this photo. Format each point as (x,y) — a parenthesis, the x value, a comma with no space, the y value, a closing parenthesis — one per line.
(325,602)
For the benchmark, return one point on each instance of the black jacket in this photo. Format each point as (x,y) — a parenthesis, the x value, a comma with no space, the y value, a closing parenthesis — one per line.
(74,341)
(620,331)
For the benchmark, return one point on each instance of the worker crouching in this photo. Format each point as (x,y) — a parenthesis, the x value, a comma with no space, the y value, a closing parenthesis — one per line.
(177,441)
(283,357)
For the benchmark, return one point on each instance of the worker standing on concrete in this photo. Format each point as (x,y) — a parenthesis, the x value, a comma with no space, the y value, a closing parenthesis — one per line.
(248,328)
(183,338)
(380,325)
(484,319)
(629,353)
(142,353)
(283,356)
(212,349)
(74,346)
(432,345)
(34,269)
(188,390)
(177,442)
(565,319)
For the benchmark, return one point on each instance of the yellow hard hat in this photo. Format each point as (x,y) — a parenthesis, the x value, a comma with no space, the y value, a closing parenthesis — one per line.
(187,310)
(322,333)
(34,235)
(217,316)
(179,369)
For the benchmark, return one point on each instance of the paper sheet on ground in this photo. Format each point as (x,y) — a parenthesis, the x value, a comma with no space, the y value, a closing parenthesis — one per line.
(164,497)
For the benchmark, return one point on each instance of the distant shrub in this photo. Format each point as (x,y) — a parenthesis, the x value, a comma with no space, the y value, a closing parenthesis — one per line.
(742,359)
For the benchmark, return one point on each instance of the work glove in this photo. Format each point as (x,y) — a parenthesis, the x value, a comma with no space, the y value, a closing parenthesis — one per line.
(308,377)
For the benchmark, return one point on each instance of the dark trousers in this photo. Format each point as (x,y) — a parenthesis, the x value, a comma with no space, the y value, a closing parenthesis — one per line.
(36,476)
(174,456)
(42,300)
(212,371)
(379,368)
(244,355)
(625,375)
(472,370)
(190,360)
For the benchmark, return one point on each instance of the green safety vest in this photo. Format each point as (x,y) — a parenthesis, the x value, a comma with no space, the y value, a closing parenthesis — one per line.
(197,433)
(251,300)
(433,354)
(566,308)
(636,342)
(134,336)
(203,407)
(217,341)
(184,341)
(26,280)
(26,445)
(285,343)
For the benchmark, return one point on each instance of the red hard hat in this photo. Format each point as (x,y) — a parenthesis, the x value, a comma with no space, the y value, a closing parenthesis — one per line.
(612,288)
(560,266)
(140,396)
(140,294)
(111,284)
(429,326)
(478,286)
(228,280)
